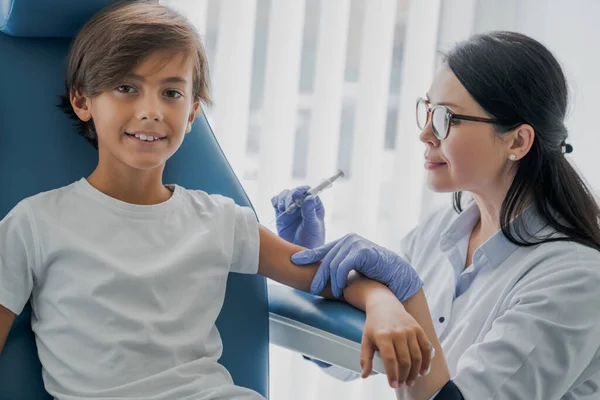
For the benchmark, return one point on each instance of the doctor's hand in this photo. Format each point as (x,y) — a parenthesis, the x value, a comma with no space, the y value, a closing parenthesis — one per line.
(304,226)
(353,252)
(403,345)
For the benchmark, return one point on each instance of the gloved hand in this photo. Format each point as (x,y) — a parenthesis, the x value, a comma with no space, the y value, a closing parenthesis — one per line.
(353,252)
(304,226)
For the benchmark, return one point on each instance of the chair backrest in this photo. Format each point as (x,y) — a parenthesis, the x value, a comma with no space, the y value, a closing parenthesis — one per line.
(40,150)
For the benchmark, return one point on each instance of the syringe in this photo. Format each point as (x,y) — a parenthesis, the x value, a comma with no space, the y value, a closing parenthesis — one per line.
(326,183)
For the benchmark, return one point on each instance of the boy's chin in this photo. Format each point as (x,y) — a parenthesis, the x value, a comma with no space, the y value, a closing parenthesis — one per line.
(146,164)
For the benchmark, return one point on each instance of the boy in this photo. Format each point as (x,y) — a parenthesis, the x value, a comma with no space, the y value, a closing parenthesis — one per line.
(126,275)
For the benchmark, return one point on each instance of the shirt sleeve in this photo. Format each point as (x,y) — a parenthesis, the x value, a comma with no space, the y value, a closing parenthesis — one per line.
(448,392)
(545,339)
(246,242)
(17,258)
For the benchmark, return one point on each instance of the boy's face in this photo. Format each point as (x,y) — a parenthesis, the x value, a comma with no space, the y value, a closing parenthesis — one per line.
(142,120)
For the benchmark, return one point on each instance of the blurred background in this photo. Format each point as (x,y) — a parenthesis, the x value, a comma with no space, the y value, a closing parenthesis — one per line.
(304,87)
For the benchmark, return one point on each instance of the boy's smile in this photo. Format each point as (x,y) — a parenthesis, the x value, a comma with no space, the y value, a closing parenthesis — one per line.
(146,139)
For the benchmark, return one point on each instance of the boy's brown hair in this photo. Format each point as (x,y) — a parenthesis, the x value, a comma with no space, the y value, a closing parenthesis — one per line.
(114,41)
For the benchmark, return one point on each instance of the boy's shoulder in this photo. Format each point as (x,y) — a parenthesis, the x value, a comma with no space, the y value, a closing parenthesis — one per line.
(203,198)
(29,209)
(205,205)
(46,198)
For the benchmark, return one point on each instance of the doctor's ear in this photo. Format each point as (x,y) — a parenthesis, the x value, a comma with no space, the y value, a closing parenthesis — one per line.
(81,105)
(520,142)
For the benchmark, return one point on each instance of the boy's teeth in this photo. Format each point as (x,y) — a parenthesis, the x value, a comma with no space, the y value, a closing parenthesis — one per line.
(144,137)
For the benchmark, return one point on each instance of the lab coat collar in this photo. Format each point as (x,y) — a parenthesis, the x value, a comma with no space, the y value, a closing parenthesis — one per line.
(497,248)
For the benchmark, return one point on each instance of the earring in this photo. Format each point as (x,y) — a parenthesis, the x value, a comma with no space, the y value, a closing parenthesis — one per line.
(512,157)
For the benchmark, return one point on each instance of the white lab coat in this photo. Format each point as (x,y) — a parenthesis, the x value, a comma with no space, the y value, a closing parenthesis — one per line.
(520,322)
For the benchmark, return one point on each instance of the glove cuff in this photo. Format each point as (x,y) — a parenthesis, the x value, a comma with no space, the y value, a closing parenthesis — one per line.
(407,284)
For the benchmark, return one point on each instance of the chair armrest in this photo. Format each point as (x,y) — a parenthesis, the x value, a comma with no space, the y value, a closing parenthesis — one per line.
(327,330)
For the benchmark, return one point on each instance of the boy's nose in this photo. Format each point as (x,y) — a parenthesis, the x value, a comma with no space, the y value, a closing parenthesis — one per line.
(149,110)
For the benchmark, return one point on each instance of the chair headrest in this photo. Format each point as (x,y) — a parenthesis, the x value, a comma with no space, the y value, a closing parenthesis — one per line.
(47,18)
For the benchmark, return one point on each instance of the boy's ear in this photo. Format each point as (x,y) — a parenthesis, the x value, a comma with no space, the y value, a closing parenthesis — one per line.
(81,106)
(192,117)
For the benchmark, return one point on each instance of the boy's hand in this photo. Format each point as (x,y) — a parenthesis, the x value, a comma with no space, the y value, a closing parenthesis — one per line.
(304,226)
(405,350)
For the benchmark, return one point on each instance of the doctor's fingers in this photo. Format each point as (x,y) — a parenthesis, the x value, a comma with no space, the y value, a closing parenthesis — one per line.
(323,273)
(354,260)
(279,202)
(343,253)
(294,195)
(275,200)
(312,209)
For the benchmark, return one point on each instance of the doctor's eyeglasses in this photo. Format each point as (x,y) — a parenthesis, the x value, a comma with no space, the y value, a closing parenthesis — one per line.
(441,118)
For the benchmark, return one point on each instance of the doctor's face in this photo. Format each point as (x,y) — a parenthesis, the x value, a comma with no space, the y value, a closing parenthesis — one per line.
(472,156)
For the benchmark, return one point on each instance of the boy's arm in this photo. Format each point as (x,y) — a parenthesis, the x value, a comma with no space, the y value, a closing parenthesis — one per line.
(416,306)
(274,262)
(7,318)
(394,332)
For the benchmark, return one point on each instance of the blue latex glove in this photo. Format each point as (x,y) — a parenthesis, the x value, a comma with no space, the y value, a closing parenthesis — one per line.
(304,226)
(353,252)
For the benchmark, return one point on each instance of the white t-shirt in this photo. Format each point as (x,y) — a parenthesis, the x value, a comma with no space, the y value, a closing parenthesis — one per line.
(125,297)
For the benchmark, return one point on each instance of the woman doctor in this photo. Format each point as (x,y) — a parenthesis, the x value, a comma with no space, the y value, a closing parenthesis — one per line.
(510,296)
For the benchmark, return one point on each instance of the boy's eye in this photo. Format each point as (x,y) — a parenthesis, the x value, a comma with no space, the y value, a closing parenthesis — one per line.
(173,94)
(125,89)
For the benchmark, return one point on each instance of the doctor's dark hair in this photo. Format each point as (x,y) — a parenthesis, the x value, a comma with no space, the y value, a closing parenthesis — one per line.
(111,44)
(517,80)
